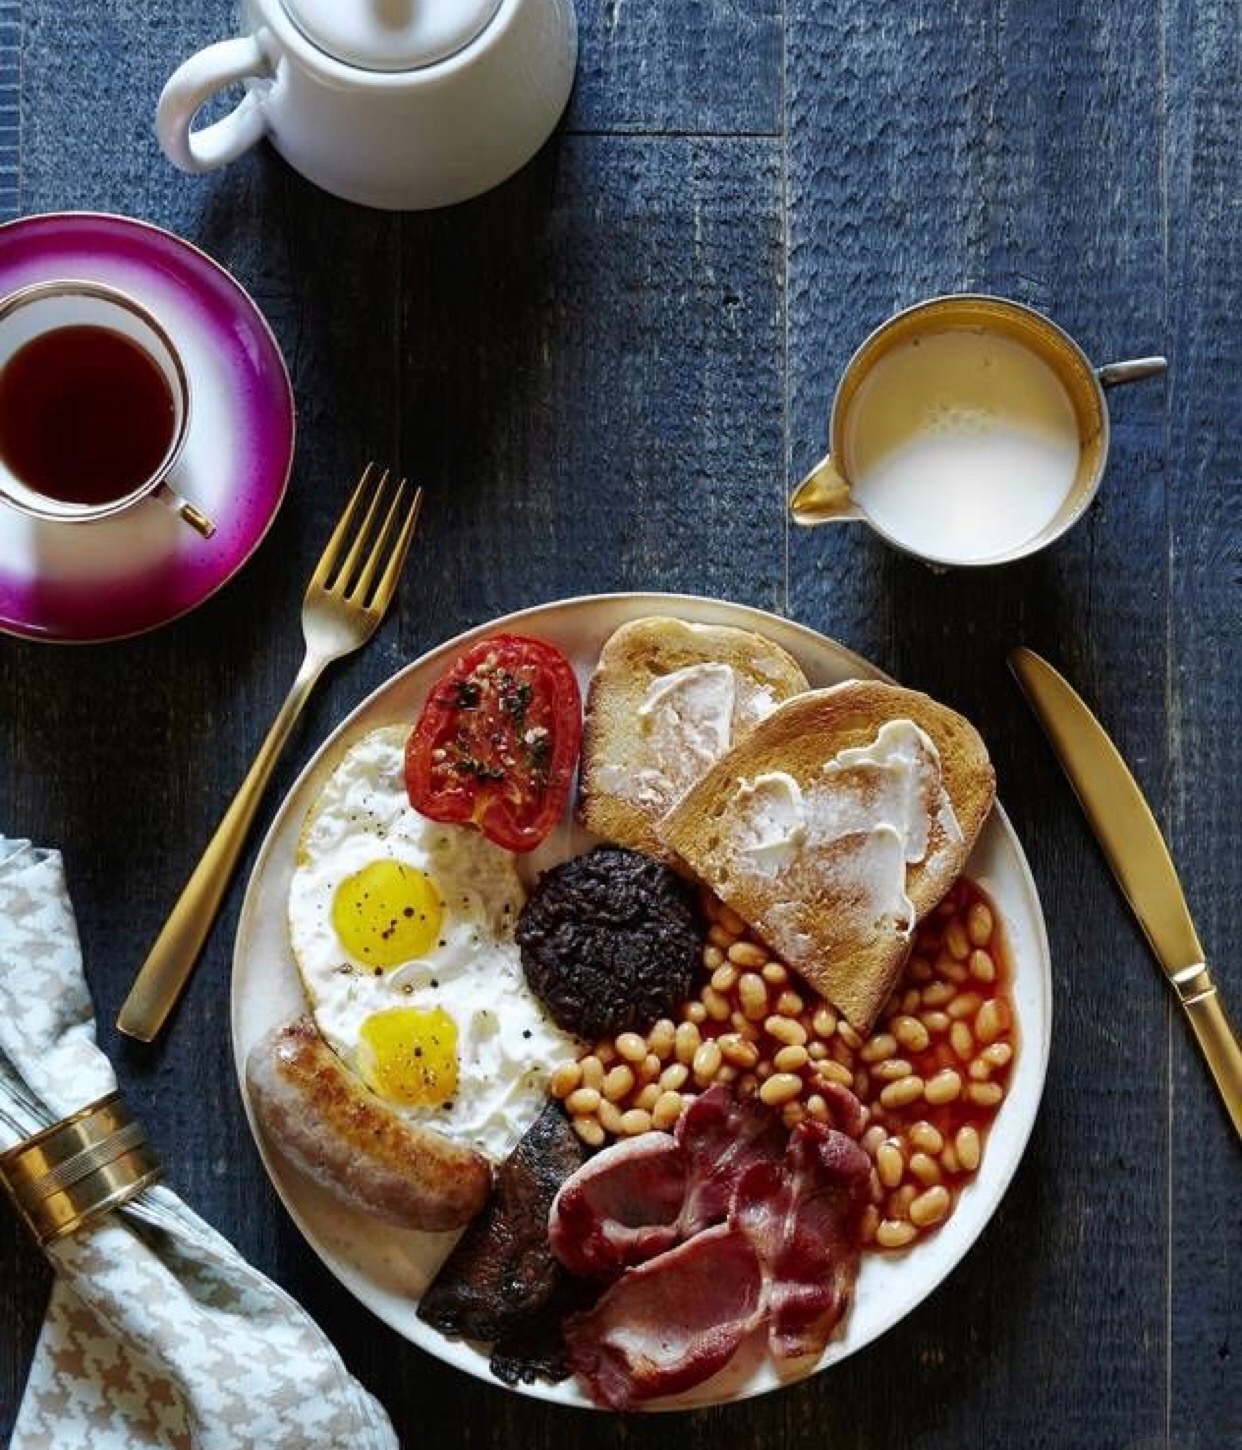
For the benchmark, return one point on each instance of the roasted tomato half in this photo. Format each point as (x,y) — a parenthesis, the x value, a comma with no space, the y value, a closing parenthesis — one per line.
(497,741)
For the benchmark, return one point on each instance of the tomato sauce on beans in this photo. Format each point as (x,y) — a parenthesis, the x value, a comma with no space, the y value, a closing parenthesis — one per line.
(931,1076)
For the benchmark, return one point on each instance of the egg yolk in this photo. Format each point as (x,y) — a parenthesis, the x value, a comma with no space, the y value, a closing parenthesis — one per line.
(409,1055)
(387,913)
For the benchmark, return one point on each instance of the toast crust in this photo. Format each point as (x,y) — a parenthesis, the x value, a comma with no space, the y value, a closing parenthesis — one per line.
(812,911)
(626,785)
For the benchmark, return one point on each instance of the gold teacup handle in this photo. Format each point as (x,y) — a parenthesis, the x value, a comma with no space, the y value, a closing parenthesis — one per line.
(184,509)
(823,497)
(1132,371)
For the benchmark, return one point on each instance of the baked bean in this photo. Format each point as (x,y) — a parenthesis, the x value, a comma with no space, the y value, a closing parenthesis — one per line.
(962,1043)
(926,1137)
(979,923)
(891,1070)
(957,941)
(900,1199)
(817,1050)
(753,995)
(948,1159)
(936,1021)
(789,1004)
(717,1004)
(774,973)
(724,978)
(889,1163)
(719,937)
(997,1055)
(894,1234)
(619,1083)
(878,1047)
(966,1004)
(649,1096)
(610,1117)
(792,1114)
(944,1087)
(706,1062)
(982,967)
(903,1092)
(790,1059)
(911,1033)
(937,994)
(564,1079)
(590,1130)
(666,1111)
(582,1101)
(985,1094)
(818,1108)
(737,1050)
(835,1072)
(979,1070)
(992,1020)
(694,1012)
(848,1035)
(919,970)
(787,1030)
(969,1148)
(871,1140)
(635,1121)
(930,1207)
(747,954)
(712,957)
(949,968)
(780,1088)
(661,1038)
(911,1000)
(727,1073)
(824,1021)
(925,1168)
(592,1072)
(686,1041)
(674,1076)
(649,1068)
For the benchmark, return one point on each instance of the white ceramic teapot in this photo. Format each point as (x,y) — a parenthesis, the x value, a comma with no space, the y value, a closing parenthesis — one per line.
(402,104)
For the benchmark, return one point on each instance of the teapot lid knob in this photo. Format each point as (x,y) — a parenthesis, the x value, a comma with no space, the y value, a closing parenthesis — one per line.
(391,35)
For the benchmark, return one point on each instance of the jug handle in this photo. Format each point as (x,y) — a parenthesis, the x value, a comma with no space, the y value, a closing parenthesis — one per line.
(823,497)
(191,85)
(1132,371)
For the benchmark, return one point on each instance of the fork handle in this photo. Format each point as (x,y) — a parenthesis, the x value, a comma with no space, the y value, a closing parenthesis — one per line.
(167,969)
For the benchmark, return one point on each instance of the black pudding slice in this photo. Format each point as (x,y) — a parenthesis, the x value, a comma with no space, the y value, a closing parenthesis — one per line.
(611,941)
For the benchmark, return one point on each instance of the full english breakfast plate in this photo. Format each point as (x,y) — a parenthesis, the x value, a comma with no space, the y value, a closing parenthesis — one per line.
(938,1166)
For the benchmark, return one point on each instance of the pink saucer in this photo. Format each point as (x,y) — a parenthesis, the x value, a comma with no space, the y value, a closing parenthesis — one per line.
(117,577)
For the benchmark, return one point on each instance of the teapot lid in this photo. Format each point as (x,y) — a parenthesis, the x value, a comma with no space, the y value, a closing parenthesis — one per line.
(391,35)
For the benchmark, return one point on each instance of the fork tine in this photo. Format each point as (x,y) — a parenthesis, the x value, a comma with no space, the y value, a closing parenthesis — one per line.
(361,587)
(349,565)
(392,572)
(332,549)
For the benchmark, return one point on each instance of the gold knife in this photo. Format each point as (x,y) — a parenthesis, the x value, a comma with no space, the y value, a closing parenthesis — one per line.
(1126,829)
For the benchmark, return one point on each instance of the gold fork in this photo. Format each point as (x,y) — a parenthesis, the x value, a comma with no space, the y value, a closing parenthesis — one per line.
(345,601)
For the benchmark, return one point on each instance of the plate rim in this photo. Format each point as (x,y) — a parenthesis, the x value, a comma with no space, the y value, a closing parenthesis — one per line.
(641,602)
(141,224)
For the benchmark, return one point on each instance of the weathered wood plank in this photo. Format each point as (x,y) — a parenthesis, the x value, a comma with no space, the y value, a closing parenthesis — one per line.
(1203,142)
(698,66)
(1008,150)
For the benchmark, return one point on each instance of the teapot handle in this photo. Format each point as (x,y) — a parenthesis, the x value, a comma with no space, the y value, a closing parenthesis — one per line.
(191,85)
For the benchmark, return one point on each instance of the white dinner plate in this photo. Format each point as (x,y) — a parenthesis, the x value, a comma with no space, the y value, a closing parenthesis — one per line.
(388,1268)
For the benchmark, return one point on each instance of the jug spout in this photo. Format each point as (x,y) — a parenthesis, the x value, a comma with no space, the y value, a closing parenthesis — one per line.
(823,497)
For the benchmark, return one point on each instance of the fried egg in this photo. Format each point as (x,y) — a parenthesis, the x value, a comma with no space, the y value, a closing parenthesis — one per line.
(402,929)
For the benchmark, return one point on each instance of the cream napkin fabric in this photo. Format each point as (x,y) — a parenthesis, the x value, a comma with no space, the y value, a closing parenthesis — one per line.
(158,1333)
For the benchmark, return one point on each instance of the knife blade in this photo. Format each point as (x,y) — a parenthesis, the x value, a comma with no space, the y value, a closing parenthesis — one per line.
(1136,851)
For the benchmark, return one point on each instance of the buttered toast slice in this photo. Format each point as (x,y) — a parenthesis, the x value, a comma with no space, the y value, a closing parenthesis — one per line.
(835,826)
(666,700)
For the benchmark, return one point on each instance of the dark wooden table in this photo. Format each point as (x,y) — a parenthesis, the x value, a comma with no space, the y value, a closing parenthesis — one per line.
(607,373)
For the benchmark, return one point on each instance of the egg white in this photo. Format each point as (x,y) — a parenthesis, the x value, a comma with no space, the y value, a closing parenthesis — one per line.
(506,1043)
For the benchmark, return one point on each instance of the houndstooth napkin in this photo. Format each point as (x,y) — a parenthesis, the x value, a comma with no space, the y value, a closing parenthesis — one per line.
(158,1333)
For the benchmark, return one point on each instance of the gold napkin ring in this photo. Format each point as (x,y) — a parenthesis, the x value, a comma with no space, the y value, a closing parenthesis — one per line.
(84,1166)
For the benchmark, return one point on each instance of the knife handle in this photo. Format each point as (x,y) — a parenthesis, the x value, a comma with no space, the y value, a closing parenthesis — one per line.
(1217,1038)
